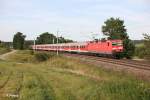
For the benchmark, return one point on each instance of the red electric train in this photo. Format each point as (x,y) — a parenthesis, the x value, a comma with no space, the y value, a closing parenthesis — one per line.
(102,48)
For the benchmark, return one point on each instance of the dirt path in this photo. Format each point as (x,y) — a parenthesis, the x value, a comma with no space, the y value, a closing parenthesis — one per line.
(3,56)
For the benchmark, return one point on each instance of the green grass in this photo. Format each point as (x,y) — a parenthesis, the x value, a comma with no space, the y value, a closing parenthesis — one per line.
(25,56)
(61,78)
(4,50)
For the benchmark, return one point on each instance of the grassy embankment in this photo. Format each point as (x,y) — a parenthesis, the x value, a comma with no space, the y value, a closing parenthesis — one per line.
(4,50)
(61,78)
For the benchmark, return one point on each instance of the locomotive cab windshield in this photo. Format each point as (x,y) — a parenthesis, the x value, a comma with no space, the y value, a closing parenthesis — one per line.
(117,46)
(117,43)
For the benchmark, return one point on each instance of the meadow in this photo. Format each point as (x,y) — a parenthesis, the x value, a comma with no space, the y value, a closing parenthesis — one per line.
(4,50)
(22,77)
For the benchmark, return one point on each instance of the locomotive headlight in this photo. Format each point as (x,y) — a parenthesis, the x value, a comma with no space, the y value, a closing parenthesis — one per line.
(119,47)
(114,48)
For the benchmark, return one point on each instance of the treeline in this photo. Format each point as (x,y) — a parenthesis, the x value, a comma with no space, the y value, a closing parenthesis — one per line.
(113,28)
(20,43)
(5,47)
(47,38)
(136,42)
(5,44)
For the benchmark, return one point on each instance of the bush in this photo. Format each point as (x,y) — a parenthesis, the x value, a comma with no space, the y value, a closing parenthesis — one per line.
(129,48)
(32,52)
(140,51)
(43,56)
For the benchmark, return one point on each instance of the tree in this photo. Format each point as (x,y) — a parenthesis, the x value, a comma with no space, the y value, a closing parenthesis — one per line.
(46,38)
(147,45)
(143,50)
(63,40)
(28,43)
(129,48)
(147,38)
(115,29)
(18,41)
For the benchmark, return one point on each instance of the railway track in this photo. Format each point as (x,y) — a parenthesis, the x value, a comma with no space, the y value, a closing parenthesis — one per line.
(123,62)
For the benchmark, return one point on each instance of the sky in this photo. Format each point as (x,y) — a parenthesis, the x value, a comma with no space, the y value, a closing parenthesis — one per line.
(79,20)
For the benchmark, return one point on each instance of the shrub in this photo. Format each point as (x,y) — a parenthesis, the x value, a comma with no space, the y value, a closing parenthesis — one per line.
(140,51)
(129,48)
(31,52)
(43,56)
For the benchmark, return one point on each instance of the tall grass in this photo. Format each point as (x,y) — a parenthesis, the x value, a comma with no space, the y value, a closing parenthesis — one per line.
(28,56)
(34,89)
(61,78)
(4,50)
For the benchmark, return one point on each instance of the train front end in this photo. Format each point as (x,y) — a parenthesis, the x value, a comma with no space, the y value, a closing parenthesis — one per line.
(117,48)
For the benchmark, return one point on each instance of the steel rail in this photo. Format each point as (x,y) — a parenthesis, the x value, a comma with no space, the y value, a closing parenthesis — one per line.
(114,61)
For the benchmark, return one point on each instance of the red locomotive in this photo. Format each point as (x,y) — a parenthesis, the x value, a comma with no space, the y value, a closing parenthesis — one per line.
(107,48)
